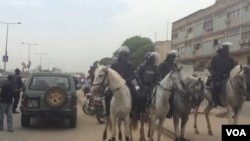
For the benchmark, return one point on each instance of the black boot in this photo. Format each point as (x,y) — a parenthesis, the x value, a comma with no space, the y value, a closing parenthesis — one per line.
(107,109)
(170,113)
(148,101)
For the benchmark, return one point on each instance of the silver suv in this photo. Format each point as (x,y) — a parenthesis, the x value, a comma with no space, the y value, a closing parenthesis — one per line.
(49,95)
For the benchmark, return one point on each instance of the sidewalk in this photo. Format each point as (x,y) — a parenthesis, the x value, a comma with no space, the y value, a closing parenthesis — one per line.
(216,124)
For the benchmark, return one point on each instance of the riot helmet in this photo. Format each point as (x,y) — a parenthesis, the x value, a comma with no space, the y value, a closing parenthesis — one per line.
(123,54)
(152,57)
(124,50)
(224,48)
(171,55)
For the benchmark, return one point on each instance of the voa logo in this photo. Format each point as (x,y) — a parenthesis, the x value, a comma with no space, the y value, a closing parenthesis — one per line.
(236,132)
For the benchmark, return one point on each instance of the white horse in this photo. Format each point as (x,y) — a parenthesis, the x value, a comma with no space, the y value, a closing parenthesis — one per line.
(159,107)
(120,105)
(183,103)
(232,97)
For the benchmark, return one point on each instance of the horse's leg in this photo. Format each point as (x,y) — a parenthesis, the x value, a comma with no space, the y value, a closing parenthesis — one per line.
(142,121)
(230,114)
(161,121)
(126,128)
(104,136)
(119,128)
(130,129)
(176,127)
(113,122)
(184,120)
(236,115)
(195,110)
(207,112)
(151,127)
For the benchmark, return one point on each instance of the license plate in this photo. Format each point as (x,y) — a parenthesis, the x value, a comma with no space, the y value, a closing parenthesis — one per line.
(32,103)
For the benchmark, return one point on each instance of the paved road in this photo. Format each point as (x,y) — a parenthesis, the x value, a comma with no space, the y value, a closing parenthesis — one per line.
(88,129)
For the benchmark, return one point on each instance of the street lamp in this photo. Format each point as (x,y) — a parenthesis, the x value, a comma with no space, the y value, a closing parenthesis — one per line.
(49,59)
(41,55)
(5,57)
(29,44)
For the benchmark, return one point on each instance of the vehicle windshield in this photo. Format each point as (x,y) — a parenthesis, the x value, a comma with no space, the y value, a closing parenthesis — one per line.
(45,82)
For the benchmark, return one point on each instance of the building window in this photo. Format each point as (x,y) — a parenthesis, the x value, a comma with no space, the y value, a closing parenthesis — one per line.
(217,42)
(175,35)
(197,46)
(189,30)
(181,28)
(245,35)
(234,14)
(182,49)
(233,31)
(208,25)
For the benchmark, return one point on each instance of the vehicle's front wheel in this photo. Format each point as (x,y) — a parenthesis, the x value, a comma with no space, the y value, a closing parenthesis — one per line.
(25,120)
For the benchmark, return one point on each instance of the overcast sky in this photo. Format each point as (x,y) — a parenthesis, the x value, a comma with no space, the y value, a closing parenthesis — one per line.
(75,33)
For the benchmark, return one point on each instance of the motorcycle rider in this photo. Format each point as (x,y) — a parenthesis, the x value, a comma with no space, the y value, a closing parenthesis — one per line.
(221,65)
(164,68)
(126,70)
(148,75)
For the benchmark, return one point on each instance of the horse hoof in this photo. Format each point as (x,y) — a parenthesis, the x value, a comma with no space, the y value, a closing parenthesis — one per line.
(120,136)
(210,133)
(196,132)
(182,139)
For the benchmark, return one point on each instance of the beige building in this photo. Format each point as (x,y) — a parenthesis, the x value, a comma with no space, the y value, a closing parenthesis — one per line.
(162,47)
(197,36)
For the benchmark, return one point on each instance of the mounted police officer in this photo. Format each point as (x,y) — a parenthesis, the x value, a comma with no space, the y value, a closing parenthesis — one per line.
(221,65)
(148,75)
(127,71)
(164,68)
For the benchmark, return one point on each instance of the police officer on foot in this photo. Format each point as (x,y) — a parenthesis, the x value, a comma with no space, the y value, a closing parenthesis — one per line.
(148,75)
(126,70)
(221,65)
(18,85)
(164,68)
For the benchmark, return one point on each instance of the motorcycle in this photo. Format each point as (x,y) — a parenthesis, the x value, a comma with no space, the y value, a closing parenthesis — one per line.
(94,105)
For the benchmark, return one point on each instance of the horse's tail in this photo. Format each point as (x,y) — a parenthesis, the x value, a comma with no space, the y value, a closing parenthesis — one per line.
(133,124)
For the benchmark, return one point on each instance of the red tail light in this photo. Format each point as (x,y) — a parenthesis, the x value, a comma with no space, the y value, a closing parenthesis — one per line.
(23,102)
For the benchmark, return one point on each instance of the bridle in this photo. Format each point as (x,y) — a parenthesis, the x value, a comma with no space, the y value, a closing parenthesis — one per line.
(246,72)
(102,83)
(174,87)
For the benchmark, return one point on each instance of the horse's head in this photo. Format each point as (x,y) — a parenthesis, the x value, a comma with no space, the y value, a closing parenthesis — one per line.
(194,84)
(174,80)
(100,81)
(241,77)
(195,88)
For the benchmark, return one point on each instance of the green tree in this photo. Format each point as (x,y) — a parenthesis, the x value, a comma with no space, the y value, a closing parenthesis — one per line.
(138,47)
